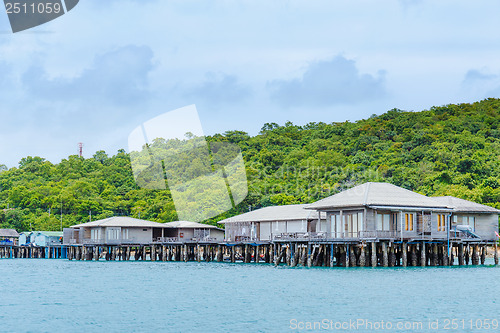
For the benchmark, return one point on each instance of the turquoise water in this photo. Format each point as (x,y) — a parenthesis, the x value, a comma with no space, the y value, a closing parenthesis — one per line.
(43,295)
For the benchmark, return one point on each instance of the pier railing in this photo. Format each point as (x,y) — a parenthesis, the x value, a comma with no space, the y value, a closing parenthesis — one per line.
(167,239)
(88,241)
(322,235)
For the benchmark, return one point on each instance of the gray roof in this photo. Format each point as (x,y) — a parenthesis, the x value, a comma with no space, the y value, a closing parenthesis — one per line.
(49,233)
(8,233)
(189,225)
(275,213)
(376,194)
(121,221)
(465,206)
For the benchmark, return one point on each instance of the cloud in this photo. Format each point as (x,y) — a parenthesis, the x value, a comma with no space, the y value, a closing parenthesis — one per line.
(325,83)
(220,89)
(479,84)
(118,77)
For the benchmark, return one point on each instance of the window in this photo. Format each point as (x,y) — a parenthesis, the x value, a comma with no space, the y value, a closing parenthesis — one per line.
(441,222)
(353,224)
(409,217)
(383,221)
(113,233)
(336,226)
(470,221)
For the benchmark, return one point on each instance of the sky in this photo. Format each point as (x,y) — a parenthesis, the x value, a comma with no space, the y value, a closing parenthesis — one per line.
(106,67)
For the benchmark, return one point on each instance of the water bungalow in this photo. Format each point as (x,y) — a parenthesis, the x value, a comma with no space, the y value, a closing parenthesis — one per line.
(471,219)
(25,238)
(114,230)
(275,222)
(40,238)
(179,231)
(128,230)
(48,238)
(8,237)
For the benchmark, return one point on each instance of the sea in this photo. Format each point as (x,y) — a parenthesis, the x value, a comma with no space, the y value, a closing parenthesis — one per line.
(58,295)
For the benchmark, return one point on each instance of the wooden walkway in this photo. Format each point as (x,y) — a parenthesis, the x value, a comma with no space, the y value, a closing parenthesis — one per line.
(284,252)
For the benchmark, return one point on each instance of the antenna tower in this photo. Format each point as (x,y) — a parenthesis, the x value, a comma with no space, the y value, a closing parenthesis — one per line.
(80,149)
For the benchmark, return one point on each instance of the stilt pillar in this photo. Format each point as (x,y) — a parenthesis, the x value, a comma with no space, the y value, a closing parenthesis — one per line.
(475,255)
(461,254)
(423,258)
(385,259)
(362,258)
(404,254)
(309,259)
(374,255)
(495,255)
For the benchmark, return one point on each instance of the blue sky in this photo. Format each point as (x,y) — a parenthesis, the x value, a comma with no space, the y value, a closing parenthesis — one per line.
(96,73)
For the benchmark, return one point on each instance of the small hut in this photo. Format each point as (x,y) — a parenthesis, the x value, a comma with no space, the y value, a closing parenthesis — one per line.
(47,238)
(8,237)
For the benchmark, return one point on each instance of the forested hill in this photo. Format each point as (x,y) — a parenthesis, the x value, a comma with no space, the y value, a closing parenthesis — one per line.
(448,150)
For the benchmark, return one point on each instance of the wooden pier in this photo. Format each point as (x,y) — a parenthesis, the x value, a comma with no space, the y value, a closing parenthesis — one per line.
(33,252)
(286,252)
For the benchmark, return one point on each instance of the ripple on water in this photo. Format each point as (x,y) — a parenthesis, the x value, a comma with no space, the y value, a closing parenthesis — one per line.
(61,295)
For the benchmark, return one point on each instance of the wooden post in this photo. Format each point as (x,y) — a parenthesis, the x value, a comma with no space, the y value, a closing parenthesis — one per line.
(248,253)
(495,255)
(475,255)
(413,249)
(309,259)
(362,258)
(302,253)
(280,257)
(467,254)
(233,255)
(267,256)
(293,251)
(423,258)
(385,260)
(332,254)
(392,256)
(346,255)
(452,256)
(483,254)
(461,254)
(352,256)
(405,254)
(446,258)
(373,259)
(316,261)
(433,255)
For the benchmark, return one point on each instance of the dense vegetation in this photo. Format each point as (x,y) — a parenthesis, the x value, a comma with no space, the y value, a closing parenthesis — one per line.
(448,150)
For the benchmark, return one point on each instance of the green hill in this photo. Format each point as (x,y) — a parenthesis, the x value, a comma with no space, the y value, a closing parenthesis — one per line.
(447,150)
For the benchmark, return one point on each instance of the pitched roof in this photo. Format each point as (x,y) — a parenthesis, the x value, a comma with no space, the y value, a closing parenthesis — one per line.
(50,233)
(275,213)
(121,221)
(376,194)
(189,225)
(8,233)
(465,206)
